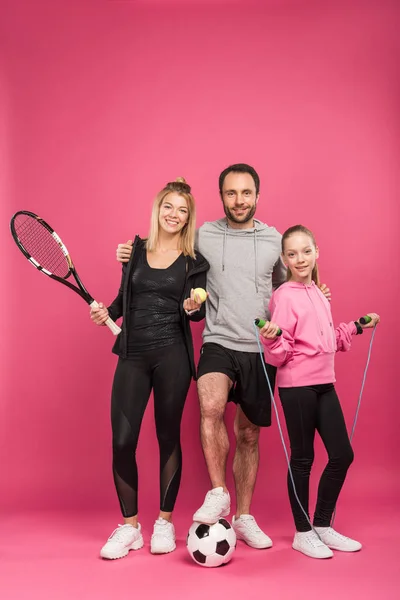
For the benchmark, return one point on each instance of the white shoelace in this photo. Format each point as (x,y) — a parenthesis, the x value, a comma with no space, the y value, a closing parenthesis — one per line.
(251,524)
(119,534)
(314,540)
(212,499)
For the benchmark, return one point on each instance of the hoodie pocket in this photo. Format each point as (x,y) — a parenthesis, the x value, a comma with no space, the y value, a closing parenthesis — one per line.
(222,315)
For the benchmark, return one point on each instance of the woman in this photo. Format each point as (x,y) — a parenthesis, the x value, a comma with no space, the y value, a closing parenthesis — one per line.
(156,300)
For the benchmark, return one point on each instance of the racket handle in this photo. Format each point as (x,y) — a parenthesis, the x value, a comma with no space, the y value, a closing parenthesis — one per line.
(110,323)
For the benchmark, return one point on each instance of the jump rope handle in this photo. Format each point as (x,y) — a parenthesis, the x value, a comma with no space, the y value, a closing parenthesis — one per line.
(260,323)
(365,320)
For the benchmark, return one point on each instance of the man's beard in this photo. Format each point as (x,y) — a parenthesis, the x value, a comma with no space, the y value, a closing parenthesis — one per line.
(244,219)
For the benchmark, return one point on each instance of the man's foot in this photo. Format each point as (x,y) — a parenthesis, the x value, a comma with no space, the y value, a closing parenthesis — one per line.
(163,538)
(122,539)
(309,544)
(337,541)
(217,504)
(246,529)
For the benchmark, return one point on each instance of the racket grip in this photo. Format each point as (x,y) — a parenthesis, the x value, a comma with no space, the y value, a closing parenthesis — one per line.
(110,323)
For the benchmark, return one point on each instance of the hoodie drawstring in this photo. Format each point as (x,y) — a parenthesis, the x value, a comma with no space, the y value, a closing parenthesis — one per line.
(255,260)
(223,246)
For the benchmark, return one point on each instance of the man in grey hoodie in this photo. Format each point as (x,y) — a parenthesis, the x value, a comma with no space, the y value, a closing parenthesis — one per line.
(245,266)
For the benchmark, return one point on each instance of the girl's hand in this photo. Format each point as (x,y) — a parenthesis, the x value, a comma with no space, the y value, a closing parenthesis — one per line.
(326,291)
(374,321)
(190,304)
(270,330)
(99,315)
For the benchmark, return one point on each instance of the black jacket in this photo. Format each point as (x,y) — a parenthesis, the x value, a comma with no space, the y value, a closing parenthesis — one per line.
(196,276)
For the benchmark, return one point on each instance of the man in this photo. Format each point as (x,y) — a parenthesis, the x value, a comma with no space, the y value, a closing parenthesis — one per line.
(245,266)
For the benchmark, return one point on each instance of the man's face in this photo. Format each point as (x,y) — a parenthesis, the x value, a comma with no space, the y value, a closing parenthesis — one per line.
(239,198)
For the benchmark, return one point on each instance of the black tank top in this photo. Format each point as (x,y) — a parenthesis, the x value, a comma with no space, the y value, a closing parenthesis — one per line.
(154,317)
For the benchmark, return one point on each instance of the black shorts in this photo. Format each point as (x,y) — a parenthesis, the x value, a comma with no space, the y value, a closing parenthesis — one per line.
(250,388)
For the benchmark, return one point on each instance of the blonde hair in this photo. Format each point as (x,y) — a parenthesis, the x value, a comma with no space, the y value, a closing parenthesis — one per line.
(186,239)
(301,229)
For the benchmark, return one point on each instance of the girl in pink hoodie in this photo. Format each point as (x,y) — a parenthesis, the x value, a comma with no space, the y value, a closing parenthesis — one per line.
(304,354)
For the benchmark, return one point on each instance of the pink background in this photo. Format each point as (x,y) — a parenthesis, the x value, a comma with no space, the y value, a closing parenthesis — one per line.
(101,104)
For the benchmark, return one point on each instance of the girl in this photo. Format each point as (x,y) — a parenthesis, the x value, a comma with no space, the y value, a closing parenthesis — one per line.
(155,351)
(304,355)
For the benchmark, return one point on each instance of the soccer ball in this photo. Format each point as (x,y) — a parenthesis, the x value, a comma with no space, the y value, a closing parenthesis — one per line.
(211,545)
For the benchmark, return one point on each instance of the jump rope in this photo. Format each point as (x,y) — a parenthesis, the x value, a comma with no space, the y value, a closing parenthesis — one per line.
(258,323)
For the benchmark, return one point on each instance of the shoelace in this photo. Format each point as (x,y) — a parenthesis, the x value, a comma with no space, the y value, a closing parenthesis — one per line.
(314,540)
(118,535)
(251,524)
(211,499)
(336,534)
(162,529)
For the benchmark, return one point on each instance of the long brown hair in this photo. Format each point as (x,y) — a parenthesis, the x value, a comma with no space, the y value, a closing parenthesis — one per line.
(301,229)
(186,240)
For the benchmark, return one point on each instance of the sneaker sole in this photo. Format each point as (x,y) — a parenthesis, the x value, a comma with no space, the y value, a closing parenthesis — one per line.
(135,546)
(198,518)
(344,549)
(163,551)
(255,545)
(299,549)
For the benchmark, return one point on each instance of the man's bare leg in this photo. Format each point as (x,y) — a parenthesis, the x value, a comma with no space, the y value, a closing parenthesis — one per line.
(213,390)
(245,463)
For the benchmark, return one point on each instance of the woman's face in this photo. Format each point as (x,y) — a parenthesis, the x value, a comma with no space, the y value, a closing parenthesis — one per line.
(174,213)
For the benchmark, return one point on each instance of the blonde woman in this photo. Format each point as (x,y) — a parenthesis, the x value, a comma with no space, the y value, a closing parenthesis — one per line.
(155,352)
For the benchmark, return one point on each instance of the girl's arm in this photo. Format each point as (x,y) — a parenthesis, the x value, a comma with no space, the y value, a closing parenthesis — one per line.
(199,281)
(278,350)
(344,333)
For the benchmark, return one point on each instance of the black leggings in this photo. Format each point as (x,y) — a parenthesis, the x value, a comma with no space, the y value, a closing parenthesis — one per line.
(167,372)
(309,409)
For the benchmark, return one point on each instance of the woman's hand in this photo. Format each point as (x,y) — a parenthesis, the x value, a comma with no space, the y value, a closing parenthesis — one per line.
(270,330)
(124,251)
(99,315)
(190,304)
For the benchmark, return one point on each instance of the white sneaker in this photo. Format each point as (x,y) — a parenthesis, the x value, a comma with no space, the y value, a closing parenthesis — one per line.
(337,541)
(246,529)
(163,538)
(122,539)
(309,544)
(217,504)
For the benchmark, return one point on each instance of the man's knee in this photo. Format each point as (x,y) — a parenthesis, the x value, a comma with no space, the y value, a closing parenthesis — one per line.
(213,390)
(247,435)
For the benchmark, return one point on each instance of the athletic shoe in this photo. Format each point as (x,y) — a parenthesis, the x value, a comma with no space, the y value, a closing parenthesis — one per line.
(217,504)
(309,544)
(122,539)
(163,538)
(246,529)
(337,541)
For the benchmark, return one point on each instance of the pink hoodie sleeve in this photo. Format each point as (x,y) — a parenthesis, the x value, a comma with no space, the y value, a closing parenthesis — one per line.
(279,351)
(344,333)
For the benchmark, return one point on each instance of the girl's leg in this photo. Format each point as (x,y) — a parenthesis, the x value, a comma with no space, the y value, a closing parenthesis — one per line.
(300,409)
(332,429)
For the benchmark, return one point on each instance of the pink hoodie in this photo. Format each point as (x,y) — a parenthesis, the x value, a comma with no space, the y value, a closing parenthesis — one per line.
(305,352)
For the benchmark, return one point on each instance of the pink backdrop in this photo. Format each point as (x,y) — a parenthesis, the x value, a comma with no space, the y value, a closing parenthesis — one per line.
(101,104)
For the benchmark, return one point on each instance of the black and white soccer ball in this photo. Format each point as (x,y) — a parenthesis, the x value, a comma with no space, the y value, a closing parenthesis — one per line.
(211,545)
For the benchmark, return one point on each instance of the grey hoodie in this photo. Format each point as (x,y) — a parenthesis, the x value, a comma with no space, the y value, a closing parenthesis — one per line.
(245,266)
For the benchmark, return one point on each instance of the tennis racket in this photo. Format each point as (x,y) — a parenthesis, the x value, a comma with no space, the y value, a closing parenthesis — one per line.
(40,244)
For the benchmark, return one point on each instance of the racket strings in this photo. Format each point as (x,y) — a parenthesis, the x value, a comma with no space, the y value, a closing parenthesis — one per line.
(41,245)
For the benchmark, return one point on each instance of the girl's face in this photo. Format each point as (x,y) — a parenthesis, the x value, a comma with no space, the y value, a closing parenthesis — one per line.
(300,256)
(174,213)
